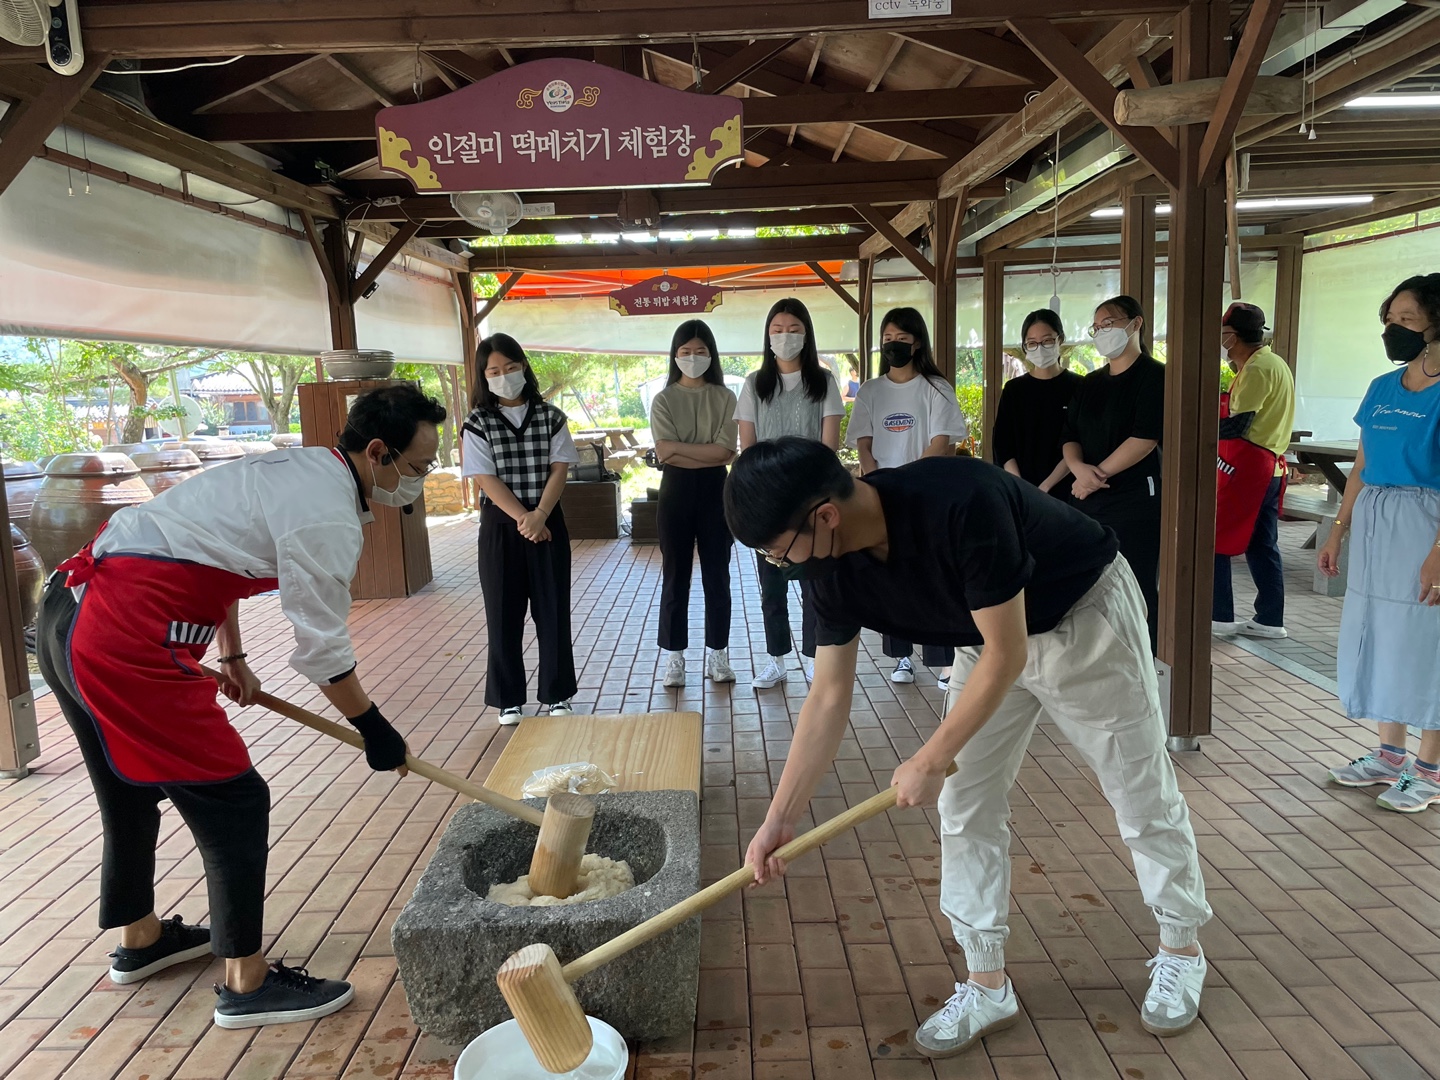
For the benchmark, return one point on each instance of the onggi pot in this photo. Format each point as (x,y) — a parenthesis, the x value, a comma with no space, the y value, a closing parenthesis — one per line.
(22,481)
(80,493)
(211,452)
(163,469)
(30,573)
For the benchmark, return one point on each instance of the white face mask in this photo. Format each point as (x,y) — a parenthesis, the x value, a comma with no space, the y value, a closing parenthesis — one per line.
(407,489)
(694,365)
(1045,356)
(1112,341)
(508,386)
(787,346)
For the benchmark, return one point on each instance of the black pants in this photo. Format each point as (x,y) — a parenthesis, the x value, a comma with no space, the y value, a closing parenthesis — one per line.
(516,574)
(775,610)
(1262,555)
(229,820)
(691,515)
(1139,540)
(938,656)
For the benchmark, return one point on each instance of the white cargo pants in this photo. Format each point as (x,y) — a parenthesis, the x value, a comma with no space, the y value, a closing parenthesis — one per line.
(1094,676)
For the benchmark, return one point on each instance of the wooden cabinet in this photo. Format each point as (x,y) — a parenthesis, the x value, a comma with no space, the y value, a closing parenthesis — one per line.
(396,558)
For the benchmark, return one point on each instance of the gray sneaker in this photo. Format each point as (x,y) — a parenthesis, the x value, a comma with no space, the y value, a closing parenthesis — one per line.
(1410,794)
(1173,1000)
(1366,772)
(964,1020)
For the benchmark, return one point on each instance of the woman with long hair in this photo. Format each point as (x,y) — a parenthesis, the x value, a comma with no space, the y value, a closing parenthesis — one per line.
(1388,663)
(1031,414)
(909,412)
(1112,443)
(792,393)
(520,448)
(693,422)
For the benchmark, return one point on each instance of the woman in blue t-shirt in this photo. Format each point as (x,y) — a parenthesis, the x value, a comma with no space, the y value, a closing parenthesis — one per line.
(1389,655)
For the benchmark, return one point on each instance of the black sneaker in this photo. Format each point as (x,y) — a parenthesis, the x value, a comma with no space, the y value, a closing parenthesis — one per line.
(178,943)
(287,996)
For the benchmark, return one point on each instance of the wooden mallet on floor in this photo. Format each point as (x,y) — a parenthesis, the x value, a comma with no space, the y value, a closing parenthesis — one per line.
(537,987)
(564,824)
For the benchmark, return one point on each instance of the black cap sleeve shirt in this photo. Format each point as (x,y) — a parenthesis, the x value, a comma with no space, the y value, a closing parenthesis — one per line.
(963,535)
(1108,409)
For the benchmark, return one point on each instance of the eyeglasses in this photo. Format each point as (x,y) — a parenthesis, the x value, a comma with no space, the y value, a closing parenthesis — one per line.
(1043,343)
(782,561)
(417,470)
(1107,324)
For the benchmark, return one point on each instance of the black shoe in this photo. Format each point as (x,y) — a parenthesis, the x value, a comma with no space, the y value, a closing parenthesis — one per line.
(288,995)
(178,943)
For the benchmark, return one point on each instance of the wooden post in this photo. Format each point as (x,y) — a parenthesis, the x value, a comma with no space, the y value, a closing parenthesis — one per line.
(1137,257)
(555,866)
(1232,227)
(546,1009)
(1192,392)
(342,297)
(867,316)
(1289,261)
(19,736)
(992,306)
(942,239)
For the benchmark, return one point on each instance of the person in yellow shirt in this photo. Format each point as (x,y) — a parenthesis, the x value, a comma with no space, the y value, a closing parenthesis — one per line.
(1265,386)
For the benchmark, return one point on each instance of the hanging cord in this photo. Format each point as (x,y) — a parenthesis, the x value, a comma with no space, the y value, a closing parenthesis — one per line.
(1055,234)
(418,79)
(85,156)
(697,72)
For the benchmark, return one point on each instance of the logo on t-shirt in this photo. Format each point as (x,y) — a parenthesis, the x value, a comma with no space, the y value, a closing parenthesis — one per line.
(898,421)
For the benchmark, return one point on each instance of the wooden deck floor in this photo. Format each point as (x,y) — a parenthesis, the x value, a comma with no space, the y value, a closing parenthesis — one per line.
(1324,954)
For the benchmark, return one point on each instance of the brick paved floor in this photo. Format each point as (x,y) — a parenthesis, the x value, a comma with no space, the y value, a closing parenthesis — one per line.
(1313,620)
(1325,957)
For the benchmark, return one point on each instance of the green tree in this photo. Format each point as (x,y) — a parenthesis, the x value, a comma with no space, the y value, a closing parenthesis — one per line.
(34,425)
(274,378)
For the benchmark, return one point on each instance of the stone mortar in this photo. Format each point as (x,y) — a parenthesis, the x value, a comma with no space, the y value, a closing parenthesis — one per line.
(449,940)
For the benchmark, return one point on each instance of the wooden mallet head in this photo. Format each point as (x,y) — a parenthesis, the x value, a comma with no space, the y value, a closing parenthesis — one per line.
(564,831)
(546,1008)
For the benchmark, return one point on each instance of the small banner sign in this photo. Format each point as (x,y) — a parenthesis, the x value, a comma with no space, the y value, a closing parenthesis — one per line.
(666,295)
(559,125)
(907,9)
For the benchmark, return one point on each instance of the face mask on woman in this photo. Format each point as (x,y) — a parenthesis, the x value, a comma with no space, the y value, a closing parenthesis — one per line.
(787,346)
(508,386)
(897,353)
(1402,344)
(694,365)
(1112,341)
(1043,356)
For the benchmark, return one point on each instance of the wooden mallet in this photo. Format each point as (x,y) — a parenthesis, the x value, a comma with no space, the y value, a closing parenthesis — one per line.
(537,987)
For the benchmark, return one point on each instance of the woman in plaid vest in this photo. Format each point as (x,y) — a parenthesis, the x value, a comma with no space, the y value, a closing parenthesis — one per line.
(519,447)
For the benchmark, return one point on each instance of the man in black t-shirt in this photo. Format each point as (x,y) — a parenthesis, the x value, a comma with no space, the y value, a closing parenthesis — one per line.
(1046,619)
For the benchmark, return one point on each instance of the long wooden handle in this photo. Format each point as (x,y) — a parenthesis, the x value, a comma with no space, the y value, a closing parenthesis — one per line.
(712,894)
(440,776)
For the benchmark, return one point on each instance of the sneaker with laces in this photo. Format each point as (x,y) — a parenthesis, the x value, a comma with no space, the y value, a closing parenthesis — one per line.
(1224,629)
(965,1019)
(511,716)
(177,944)
(561,708)
(904,671)
(807,668)
(773,675)
(288,995)
(1410,794)
(1366,772)
(1173,1000)
(1251,628)
(675,670)
(717,666)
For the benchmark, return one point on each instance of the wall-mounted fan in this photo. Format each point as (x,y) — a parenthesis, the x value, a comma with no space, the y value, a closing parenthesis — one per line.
(52,23)
(493,211)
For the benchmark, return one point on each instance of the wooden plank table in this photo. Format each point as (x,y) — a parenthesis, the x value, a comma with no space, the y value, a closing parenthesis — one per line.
(642,751)
(1328,457)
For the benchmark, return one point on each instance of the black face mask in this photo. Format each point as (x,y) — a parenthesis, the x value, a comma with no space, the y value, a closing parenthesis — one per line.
(812,568)
(1402,344)
(897,353)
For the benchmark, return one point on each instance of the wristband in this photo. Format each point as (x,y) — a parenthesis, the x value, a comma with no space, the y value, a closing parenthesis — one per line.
(232,659)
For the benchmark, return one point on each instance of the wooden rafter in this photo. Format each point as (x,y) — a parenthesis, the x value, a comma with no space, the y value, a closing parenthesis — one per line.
(317,248)
(26,126)
(403,236)
(1391,205)
(1075,205)
(1071,65)
(835,287)
(786,251)
(752,57)
(282,97)
(461,63)
(1245,66)
(202,89)
(489,303)
(881,70)
(361,78)
(881,224)
(984,50)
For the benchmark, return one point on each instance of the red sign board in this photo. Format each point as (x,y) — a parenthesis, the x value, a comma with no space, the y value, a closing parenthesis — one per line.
(557,125)
(666,295)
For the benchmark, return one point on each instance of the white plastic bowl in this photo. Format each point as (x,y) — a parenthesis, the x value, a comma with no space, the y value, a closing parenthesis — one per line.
(503,1054)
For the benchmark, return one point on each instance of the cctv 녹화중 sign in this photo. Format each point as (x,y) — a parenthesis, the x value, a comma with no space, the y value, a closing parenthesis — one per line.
(907,9)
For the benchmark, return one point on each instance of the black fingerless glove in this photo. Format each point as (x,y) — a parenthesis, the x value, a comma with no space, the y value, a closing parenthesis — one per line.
(384,746)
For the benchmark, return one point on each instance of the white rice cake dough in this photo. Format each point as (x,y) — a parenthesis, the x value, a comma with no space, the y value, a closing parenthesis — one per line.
(599,879)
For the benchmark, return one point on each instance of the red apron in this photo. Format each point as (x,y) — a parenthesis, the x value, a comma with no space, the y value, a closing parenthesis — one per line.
(1243,472)
(134,650)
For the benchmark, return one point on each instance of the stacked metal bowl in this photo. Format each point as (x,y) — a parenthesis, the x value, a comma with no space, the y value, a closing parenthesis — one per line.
(358,363)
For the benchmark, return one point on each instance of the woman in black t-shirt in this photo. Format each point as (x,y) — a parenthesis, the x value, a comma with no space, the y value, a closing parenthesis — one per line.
(1112,443)
(1031,417)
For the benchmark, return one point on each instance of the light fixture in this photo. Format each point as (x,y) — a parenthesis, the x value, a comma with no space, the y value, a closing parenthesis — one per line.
(1395,101)
(1280,202)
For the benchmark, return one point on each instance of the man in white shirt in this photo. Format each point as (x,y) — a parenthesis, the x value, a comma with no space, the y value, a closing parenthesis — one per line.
(123,628)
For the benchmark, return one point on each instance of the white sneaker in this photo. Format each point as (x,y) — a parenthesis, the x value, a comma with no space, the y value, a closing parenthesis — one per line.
(965,1019)
(773,675)
(561,708)
(807,666)
(1224,629)
(675,670)
(1173,1000)
(904,671)
(717,666)
(511,717)
(1251,628)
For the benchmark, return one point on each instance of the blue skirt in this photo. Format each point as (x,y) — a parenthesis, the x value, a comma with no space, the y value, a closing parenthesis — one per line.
(1388,664)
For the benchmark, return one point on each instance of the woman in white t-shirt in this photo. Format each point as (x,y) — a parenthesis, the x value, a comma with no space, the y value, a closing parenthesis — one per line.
(909,412)
(791,394)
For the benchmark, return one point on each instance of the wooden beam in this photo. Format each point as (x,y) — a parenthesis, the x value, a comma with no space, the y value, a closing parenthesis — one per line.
(992,362)
(387,255)
(334,263)
(1142,73)
(882,225)
(942,241)
(1254,40)
(1194,102)
(1325,177)
(202,89)
(1384,206)
(983,49)
(317,248)
(1137,256)
(361,78)
(1286,317)
(783,251)
(823,215)
(1071,65)
(417,248)
(749,59)
(489,303)
(463,64)
(835,287)
(882,105)
(1232,227)
(905,222)
(1075,205)
(27,124)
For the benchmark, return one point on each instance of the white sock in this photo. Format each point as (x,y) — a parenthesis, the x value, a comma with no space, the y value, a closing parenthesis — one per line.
(996,996)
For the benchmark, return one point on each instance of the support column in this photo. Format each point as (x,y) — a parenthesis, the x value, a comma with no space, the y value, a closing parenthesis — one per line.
(342,296)
(1192,391)
(1137,257)
(19,736)
(867,317)
(992,307)
(942,240)
(1289,259)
